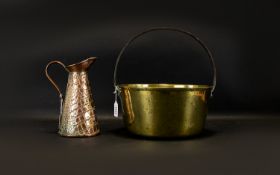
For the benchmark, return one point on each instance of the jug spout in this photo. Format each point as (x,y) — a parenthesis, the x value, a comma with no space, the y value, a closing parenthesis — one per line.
(81,66)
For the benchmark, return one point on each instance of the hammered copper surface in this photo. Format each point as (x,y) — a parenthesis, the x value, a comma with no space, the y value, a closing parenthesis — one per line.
(77,113)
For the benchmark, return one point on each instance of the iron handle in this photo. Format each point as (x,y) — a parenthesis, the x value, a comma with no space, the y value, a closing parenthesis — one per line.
(169,29)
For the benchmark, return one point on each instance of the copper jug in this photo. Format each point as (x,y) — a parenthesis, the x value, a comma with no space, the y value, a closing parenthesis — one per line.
(77,112)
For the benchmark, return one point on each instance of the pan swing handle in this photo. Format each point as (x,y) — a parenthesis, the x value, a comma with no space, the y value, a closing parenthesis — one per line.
(117,91)
(167,29)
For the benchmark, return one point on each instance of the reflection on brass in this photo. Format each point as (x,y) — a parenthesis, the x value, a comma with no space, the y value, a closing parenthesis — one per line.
(77,116)
(200,94)
(128,108)
(164,110)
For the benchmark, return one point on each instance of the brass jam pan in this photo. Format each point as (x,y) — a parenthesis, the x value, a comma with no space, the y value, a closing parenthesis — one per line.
(164,110)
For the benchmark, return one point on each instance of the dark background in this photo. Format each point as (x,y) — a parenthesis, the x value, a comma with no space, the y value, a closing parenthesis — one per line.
(243,36)
(241,134)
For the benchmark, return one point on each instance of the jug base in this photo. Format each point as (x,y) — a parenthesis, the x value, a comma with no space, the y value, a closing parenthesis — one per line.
(79,135)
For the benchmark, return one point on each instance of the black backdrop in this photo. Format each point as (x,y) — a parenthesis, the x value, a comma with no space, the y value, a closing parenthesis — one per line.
(243,37)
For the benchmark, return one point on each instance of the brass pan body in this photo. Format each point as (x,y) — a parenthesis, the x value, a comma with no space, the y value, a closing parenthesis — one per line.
(164,110)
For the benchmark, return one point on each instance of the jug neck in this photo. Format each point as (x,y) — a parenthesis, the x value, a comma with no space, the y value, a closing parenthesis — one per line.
(81,66)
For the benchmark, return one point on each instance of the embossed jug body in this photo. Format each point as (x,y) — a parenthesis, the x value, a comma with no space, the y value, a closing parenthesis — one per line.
(77,111)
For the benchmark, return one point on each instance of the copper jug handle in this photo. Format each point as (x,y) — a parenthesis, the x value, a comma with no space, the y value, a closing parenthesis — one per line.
(169,29)
(54,84)
(50,79)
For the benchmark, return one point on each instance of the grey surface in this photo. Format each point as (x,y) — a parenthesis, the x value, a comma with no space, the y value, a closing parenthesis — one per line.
(243,144)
